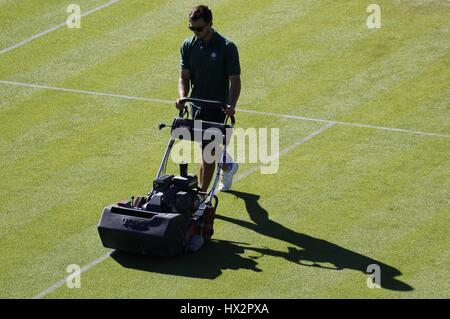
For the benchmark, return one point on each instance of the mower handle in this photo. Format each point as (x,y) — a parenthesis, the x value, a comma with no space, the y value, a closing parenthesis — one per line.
(191,99)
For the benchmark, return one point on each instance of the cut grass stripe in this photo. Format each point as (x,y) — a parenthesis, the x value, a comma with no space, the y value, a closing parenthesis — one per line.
(152,63)
(82,48)
(286,150)
(63,281)
(21,19)
(57,172)
(56,27)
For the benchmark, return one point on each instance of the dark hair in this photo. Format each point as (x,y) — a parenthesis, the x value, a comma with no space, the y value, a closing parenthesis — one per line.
(201,11)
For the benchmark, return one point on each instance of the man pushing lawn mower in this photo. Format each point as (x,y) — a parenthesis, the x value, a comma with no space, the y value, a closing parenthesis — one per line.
(210,66)
(178,214)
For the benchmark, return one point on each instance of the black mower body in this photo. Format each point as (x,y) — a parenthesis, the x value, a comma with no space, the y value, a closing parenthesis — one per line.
(143,232)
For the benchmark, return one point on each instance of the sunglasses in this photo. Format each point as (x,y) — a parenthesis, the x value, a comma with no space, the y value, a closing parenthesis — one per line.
(197,29)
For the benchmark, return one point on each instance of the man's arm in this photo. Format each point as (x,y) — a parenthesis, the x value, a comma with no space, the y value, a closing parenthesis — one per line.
(235,90)
(183,86)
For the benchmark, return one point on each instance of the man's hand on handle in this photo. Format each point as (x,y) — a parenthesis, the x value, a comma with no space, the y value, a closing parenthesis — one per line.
(179,104)
(229,110)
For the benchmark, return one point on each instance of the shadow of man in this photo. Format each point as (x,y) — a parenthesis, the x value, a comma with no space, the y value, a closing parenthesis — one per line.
(207,263)
(307,250)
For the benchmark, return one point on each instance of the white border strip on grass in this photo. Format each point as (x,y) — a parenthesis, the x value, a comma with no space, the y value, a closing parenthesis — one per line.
(295,117)
(245,174)
(60,283)
(393,129)
(56,27)
(120,96)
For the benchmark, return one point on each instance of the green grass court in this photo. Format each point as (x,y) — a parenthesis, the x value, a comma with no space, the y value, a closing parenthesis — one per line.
(364,119)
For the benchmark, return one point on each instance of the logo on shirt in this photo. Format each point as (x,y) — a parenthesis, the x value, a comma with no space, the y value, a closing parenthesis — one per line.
(213,56)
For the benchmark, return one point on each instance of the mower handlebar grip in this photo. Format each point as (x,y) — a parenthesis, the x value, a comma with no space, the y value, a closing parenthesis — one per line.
(191,99)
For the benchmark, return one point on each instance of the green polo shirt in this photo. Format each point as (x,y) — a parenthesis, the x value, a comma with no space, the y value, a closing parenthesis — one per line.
(210,64)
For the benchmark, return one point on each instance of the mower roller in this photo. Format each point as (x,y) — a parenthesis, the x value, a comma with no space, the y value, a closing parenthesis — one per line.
(175,216)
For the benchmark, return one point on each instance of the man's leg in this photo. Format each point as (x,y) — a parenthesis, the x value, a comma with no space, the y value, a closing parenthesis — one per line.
(207,168)
(229,169)
(206,174)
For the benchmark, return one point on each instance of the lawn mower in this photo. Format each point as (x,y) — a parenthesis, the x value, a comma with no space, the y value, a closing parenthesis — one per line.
(175,216)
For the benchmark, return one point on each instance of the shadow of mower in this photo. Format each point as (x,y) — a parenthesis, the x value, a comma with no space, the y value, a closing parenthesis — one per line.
(207,263)
(219,255)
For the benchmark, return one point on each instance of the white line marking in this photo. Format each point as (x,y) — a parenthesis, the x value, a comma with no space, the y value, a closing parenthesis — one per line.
(56,27)
(393,129)
(120,96)
(60,283)
(295,117)
(247,173)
